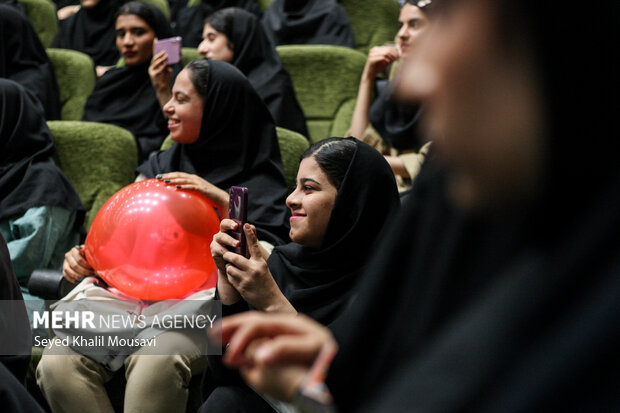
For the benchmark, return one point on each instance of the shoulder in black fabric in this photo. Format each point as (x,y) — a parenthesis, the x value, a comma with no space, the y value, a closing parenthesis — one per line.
(91,31)
(28,175)
(308,22)
(237,146)
(23,59)
(396,122)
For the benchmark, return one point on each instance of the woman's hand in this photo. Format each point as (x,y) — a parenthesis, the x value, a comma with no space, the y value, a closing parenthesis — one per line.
(379,58)
(273,351)
(221,243)
(192,182)
(75,267)
(219,246)
(67,11)
(161,76)
(252,279)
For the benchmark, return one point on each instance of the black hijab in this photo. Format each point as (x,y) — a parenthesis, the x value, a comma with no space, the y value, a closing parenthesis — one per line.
(91,31)
(256,57)
(14,3)
(23,59)
(518,312)
(124,96)
(396,122)
(14,326)
(308,22)
(28,175)
(320,282)
(64,3)
(237,146)
(190,20)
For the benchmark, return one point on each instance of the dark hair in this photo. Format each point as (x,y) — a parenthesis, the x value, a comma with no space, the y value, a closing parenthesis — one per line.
(139,9)
(222,21)
(334,156)
(199,75)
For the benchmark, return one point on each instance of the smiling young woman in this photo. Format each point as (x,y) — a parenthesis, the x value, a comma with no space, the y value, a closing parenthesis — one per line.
(235,147)
(345,194)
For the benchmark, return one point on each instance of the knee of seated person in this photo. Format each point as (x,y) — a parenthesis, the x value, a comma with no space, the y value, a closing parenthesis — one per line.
(52,371)
(159,368)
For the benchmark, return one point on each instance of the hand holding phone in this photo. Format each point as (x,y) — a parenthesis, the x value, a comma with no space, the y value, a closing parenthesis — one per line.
(172,46)
(238,212)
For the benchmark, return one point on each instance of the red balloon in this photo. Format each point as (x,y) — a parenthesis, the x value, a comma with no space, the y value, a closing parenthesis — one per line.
(152,241)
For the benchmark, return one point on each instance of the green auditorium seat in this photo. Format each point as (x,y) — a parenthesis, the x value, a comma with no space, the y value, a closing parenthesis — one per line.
(167,143)
(188,54)
(292,145)
(99,159)
(326,79)
(374,22)
(75,75)
(42,15)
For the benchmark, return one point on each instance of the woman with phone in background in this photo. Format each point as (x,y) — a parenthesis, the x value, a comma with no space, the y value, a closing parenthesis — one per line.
(236,36)
(345,194)
(215,148)
(124,96)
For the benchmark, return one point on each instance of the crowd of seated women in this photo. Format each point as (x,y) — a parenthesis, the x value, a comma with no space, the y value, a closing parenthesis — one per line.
(493,286)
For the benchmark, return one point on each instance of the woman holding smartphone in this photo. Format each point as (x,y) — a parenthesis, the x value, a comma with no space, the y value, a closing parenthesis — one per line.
(345,194)
(124,96)
(214,148)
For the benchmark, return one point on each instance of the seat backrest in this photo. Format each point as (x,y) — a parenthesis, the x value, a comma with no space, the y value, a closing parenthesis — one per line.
(42,15)
(188,54)
(374,22)
(99,159)
(75,75)
(292,145)
(326,80)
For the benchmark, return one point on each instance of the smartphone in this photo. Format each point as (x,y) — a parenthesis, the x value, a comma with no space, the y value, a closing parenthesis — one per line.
(238,212)
(172,46)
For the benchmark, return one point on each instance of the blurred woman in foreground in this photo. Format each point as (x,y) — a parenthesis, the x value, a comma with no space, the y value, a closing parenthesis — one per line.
(498,289)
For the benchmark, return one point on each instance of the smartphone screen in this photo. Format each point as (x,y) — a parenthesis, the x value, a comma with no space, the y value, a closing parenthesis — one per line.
(172,46)
(238,212)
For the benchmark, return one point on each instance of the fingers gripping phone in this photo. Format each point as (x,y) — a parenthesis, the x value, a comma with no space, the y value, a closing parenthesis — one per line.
(172,46)
(238,212)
